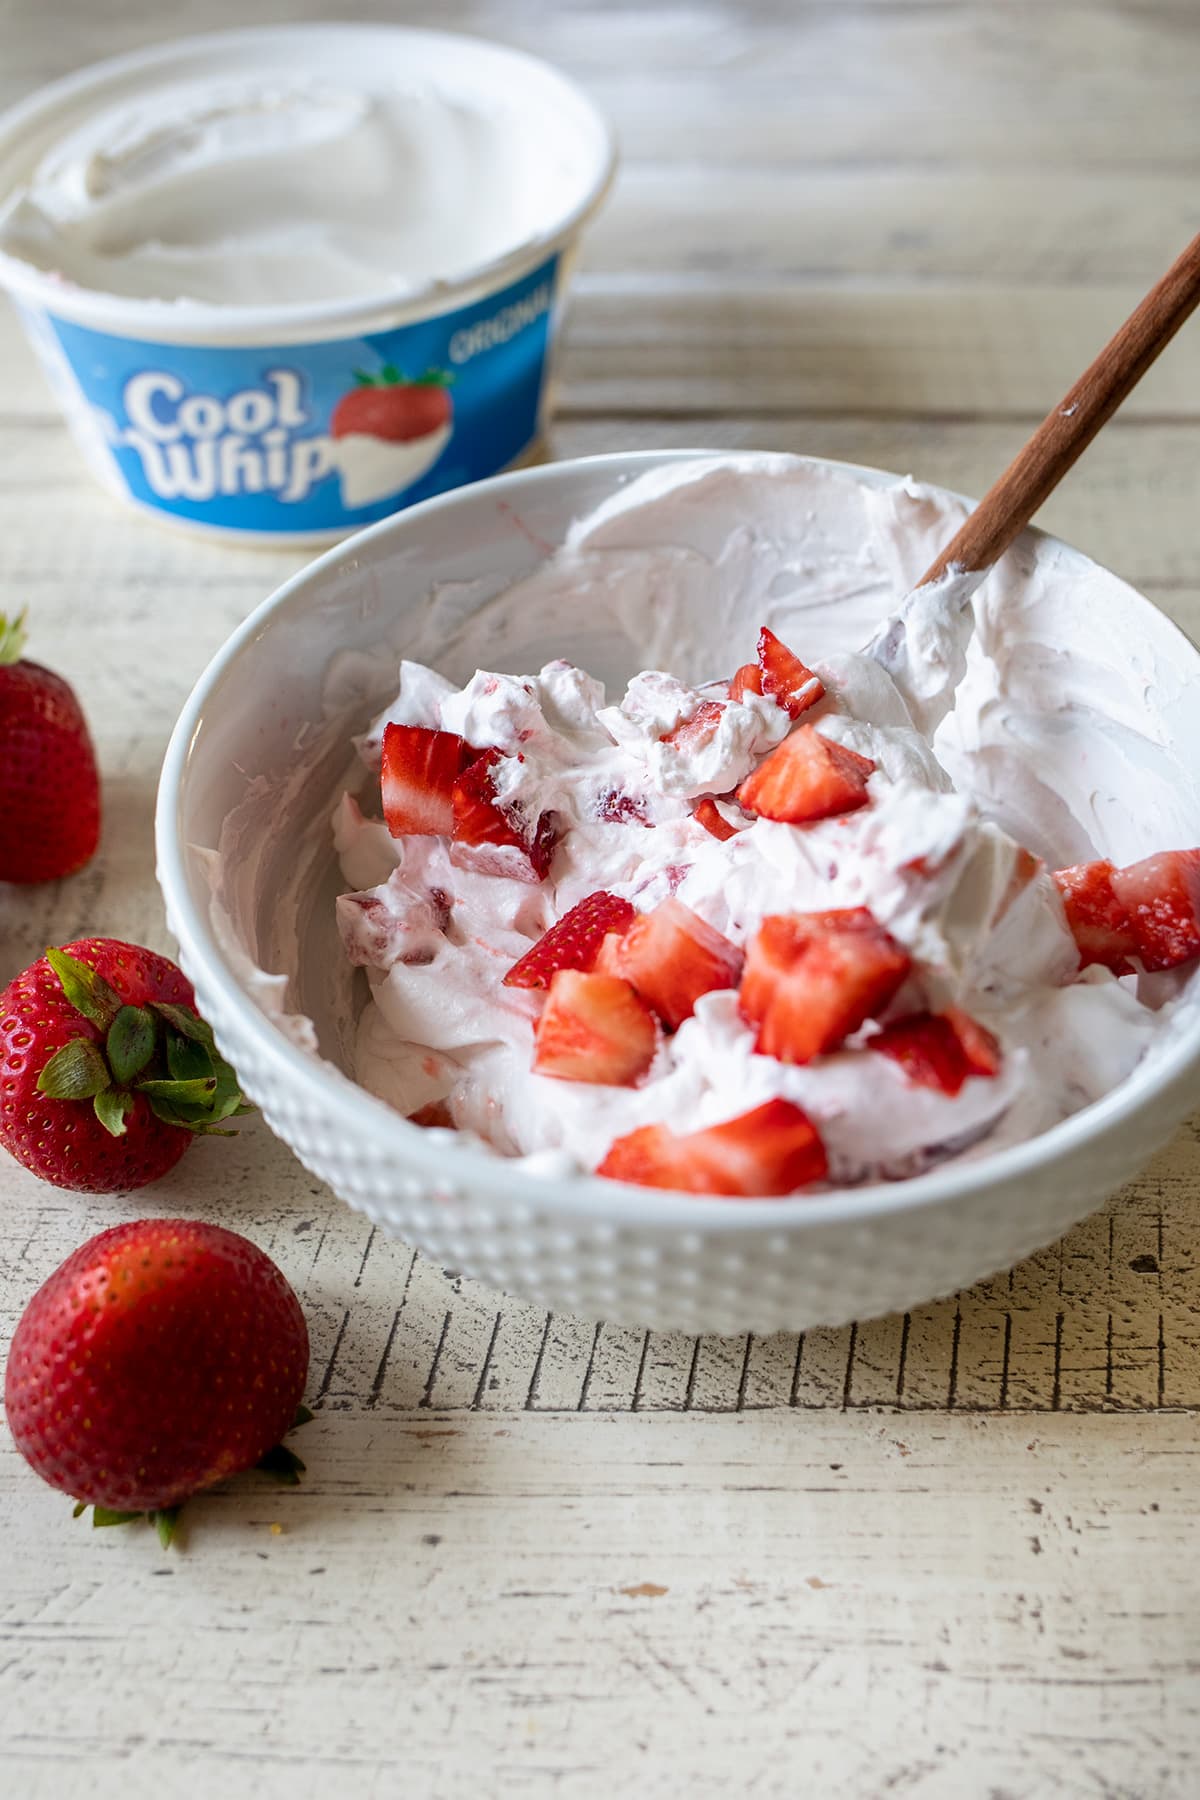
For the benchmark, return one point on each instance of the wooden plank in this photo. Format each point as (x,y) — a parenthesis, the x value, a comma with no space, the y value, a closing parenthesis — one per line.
(649,344)
(552,1604)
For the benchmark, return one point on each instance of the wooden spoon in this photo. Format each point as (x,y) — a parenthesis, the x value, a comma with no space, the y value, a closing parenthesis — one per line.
(1037,469)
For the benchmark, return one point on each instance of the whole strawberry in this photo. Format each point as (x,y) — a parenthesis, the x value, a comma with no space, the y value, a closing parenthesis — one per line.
(49,788)
(161,1357)
(106,1071)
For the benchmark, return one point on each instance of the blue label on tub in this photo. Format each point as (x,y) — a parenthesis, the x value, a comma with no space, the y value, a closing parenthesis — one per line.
(320,437)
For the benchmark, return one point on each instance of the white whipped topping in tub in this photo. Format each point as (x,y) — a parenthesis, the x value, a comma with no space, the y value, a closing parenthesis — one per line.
(286,168)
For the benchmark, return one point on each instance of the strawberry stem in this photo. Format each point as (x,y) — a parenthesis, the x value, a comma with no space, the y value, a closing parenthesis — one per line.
(279,1461)
(12,637)
(184,1079)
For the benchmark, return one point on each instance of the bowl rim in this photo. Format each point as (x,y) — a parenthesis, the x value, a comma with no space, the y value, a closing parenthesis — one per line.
(587,1196)
(262,324)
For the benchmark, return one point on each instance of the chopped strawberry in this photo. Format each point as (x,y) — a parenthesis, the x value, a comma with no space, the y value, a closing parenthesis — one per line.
(1161,899)
(774,1149)
(672,957)
(807,777)
(436,1114)
(809,983)
(1099,922)
(698,728)
(746,680)
(785,678)
(608,955)
(495,838)
(714,822)
(980,1048)
(420,768)
(939,1050)
(1026,868)
(594,1028)
(574,942)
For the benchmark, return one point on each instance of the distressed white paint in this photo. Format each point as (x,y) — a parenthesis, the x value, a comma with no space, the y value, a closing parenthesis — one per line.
(968,1592)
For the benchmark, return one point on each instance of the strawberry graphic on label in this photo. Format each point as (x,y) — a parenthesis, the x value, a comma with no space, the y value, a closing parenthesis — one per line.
(388,431)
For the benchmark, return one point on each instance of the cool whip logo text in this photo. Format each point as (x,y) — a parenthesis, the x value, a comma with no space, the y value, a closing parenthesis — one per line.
(194,446)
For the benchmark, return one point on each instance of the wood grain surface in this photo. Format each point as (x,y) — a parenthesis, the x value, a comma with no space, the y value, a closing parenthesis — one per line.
(885,230)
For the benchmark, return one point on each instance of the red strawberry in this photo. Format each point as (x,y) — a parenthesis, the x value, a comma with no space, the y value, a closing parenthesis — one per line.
(106,1072)
(420,767)
(746,680)
(161,1357)
(386,406)
(810,981)
(981,1050)
(1161,898)
(807,777)
(495,838)
(49,787)
(714,822)
(574,942)
(1150,910)
(698,728)
(771,1150)
(939,1050)
(594,1028)
(789,683)
(1099,922)
(434,1113)
(672,957)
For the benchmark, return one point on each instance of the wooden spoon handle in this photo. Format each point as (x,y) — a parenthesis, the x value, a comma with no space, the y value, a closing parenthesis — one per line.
(1065,434)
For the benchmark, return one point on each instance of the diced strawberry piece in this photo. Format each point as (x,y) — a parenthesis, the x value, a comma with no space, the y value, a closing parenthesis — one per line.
(1161,900)
(594,1028)
(420,768)
(672,957)
(1026,867)
(789,683)
(574,942)
(608,955)
(1098,920)
(808,985)
(774,1149)
(714,822)
(807,777)
(981,1050)
(697,729)
(939,1050)
(746,680)
(436,1113)
(497,839)
(927,1049)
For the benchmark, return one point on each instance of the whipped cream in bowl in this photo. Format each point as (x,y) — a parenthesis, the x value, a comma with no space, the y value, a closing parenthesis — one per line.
(210,242)
(1072,740)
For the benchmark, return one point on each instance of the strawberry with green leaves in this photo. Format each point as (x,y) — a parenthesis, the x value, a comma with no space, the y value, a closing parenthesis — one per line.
(107,1072)
(391,407)
(49,786)
(163,1356)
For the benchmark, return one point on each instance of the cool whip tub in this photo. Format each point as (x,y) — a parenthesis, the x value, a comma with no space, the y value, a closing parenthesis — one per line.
(285,281)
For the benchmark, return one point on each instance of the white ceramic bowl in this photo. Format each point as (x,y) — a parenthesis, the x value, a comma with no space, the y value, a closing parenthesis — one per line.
(265,709)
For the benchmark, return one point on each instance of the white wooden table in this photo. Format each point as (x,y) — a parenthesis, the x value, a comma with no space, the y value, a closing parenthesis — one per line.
(945,1555)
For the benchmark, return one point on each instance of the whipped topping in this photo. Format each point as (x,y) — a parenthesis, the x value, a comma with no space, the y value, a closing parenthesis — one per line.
(953,887)
(1068,735)
(351,164)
